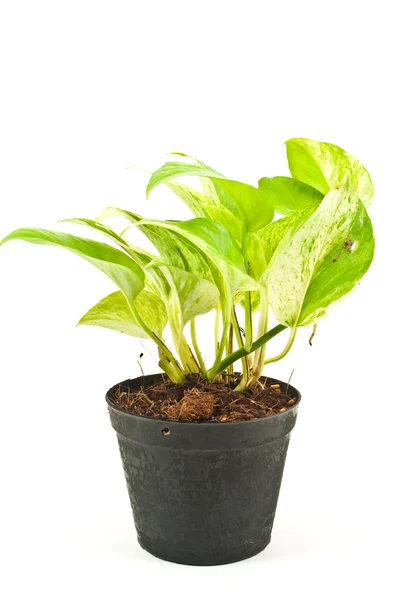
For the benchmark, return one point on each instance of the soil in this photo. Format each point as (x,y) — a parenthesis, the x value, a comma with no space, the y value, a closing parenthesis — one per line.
(197,400)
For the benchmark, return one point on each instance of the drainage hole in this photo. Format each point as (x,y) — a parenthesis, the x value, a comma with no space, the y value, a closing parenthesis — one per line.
(166,431)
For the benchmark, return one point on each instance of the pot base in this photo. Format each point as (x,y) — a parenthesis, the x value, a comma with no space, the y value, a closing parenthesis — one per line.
(224,558)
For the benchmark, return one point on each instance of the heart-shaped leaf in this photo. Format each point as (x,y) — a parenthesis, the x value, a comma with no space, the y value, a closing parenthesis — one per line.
(114,313)
(289,195)
(321,260)
(325,166)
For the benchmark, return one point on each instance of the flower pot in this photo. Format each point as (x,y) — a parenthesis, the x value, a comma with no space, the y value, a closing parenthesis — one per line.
(202,493)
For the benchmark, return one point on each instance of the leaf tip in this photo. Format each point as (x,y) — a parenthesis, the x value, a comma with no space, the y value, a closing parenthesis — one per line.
(149,188)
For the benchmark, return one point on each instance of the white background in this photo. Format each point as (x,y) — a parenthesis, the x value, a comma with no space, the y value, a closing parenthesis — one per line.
(90,88)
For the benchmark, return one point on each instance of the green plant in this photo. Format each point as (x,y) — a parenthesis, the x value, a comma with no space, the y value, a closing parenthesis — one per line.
(233,253)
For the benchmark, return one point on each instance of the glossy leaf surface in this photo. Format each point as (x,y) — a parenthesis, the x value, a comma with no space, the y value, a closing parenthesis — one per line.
(289,195)
(244,201)
(325,166)
(114,313)
(322,261)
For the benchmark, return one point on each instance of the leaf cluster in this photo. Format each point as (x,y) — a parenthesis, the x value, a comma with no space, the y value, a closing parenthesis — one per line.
(291,246)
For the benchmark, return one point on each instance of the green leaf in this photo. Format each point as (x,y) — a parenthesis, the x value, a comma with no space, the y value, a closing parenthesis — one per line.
(242,200)
(289,195)
(121,269)
(114,313)
(325,166)
(208,207)
(192,245)
(141,257)
(321,260)
(173,250)
(187,296)
(210,187)
(216,243)
(263,243)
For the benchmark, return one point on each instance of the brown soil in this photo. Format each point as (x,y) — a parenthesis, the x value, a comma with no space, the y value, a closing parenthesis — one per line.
(199,400)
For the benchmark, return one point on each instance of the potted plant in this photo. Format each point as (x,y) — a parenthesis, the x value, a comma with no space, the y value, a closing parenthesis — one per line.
(203,445)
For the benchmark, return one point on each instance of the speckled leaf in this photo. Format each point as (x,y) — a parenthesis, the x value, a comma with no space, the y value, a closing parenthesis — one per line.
(263,243)
(325,166)
(289,195)
(321,261)
(114,313)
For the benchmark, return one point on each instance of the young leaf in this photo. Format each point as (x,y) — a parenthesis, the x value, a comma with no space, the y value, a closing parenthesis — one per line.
(243,200)
(324,166)
(289,195)
(320,261)
(121,269)
(210,187)
(114,313)
(208,207)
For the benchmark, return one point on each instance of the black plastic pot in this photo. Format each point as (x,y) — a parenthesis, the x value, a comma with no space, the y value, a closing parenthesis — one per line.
(202,493)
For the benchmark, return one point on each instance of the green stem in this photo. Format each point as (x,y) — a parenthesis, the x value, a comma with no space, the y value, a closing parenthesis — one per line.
(184,352)
(230,369)
(286,349)
(247,295)
(238,354)
(169,369)
(216,330)
(167,353)
(248,321)
(187,357)
(259,355)
(196,346)
(225,311)
(238,337)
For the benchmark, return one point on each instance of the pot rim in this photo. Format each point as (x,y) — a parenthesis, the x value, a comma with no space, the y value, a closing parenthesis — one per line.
(247,422)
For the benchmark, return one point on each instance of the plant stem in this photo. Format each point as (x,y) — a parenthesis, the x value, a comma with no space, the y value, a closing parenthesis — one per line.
(225,311)
(238,337)
(187,357)
(216,330)
(259,355)
(247,295)
(230,369)
(184,352)
(248,321)
(196,346)
(238,354)
(286,349)
(169,369)
(162,346)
